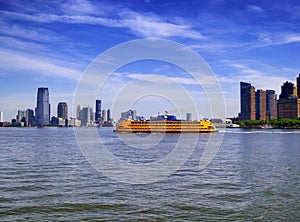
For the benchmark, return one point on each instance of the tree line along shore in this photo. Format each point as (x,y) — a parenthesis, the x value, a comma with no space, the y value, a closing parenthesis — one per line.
(282,123)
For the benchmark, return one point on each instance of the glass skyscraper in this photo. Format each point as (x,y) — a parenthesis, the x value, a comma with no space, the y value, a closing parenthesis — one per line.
(248,107)
(43,107)
(98,117)
(62,110)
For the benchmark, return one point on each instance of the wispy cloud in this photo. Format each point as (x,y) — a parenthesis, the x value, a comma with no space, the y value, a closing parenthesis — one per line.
(139,24)
(275,39)
(81,7)
(29,33)
(259,74)
(12,61)
(255,9)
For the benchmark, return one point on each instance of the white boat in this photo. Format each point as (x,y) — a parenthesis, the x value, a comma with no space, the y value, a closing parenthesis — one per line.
(232,126)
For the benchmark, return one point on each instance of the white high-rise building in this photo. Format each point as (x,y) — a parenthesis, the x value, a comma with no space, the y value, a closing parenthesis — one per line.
(79,108)
(1,117)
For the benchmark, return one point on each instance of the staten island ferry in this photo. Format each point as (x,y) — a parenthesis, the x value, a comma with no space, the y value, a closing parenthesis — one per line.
(165,124)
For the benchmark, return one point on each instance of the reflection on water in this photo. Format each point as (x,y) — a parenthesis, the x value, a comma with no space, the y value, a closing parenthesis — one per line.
(254,177)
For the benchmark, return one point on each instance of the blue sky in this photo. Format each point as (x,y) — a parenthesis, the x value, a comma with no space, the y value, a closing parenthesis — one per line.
(50,43)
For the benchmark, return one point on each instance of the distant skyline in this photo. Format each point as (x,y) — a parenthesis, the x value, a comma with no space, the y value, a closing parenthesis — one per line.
(50,44)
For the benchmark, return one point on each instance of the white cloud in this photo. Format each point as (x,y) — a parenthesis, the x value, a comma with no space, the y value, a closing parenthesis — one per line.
(260,75)
(273,39)
(27,32)
(12,61)
(79,7)
(141,25)
(255,9)
(154,26)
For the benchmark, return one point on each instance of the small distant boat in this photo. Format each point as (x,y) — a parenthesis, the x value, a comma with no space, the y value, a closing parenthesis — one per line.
(266,127)
(233,126)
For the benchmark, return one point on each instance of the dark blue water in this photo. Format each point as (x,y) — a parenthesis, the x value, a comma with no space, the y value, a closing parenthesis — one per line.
(255,176)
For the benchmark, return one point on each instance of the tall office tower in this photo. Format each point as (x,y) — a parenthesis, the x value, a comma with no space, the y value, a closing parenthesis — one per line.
(287,90)
(1,117)
(188,116)
(108,115)
(261,104)
(62,110)
(79,108)
(271,101)
(104,115)
(86,116)
(98,111)
(298,86)
(43,107)
(21,116)
(247,102)
(288,105)
(30,118)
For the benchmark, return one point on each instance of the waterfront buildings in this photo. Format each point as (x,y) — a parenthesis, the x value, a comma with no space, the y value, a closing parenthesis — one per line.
(98,118)
(62,110)
(221,123)
(130,114)
(43,107)
(267,105)
(257,105)
(248,107)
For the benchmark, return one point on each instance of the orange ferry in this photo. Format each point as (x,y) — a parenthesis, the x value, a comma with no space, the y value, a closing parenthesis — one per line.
(165,124)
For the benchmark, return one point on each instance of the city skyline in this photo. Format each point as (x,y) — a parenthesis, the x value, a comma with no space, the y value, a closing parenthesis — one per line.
(52,43)
(263,104)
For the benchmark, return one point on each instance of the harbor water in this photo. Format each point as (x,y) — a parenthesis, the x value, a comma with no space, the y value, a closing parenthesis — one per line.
(44,176)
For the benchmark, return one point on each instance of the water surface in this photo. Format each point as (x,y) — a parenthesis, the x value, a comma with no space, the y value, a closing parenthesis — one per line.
(254,177)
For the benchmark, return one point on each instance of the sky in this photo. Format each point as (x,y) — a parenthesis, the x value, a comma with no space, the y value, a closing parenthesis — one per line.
(52,43)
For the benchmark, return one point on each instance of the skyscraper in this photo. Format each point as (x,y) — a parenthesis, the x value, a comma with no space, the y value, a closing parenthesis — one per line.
(288,105)
(1,117)
(247,93)
(271,101)
(298,86)
(261,104)
(43,107)
(98,111)
(79,107)
(188,116)
(86,116)
(108,115)
(104,115)
(29,118)
(287,90)
(62,110)
(21,116)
